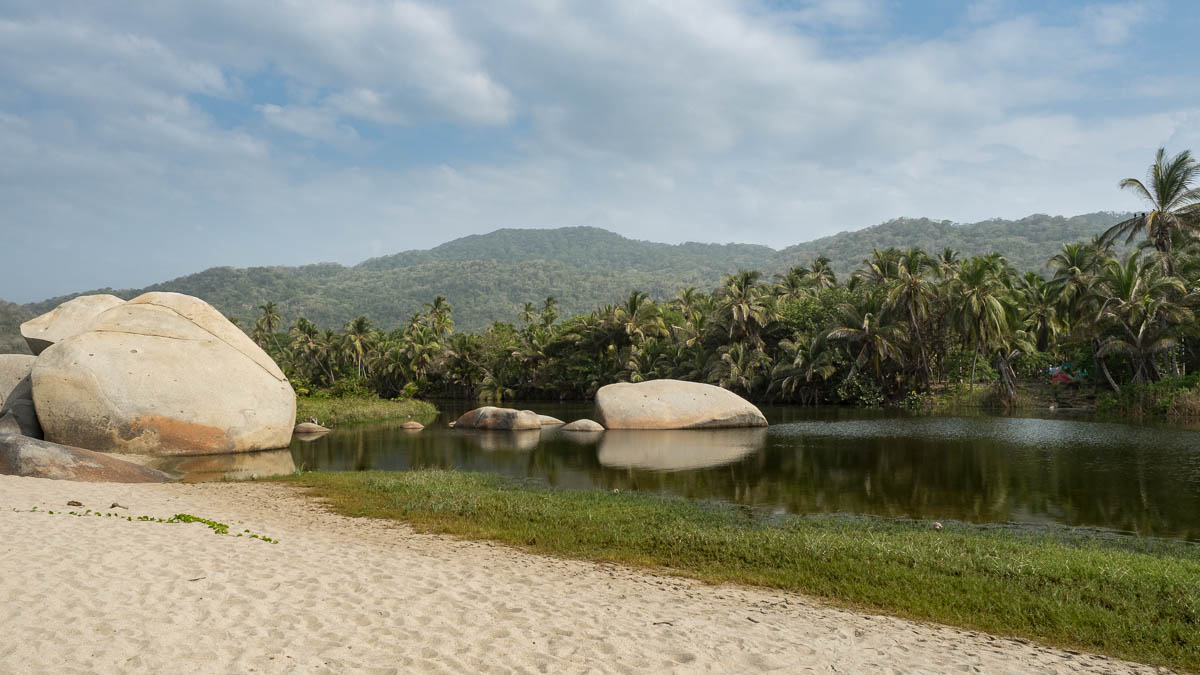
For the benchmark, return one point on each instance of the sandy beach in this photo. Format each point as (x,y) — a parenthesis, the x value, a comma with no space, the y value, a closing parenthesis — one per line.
(336,594)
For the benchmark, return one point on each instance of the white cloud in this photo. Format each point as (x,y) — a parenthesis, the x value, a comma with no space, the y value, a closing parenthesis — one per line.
(184,136)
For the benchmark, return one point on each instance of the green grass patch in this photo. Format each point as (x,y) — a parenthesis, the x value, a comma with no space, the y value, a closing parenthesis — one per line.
(1130,598)
(336,412)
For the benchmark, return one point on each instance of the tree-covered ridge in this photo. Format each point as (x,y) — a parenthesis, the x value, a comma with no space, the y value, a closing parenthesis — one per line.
(902,323)
(489,277)
(1025,243)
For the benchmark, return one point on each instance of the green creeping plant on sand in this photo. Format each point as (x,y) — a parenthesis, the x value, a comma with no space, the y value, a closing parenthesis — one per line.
(218,528)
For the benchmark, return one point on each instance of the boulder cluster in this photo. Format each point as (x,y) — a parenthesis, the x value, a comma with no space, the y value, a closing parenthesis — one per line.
(655,404)
(163,374)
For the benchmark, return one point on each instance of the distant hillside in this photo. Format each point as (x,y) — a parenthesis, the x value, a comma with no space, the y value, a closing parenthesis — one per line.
(1027,243)
(488,277)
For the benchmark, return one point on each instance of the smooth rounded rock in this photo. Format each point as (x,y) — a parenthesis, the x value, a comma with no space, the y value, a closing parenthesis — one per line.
(309,428)
(583,425)
(13,369)
(504,419)
(163,374)
(18,414)
(412,426)
(70,318)
(548,421)
(673,404)
(21,456)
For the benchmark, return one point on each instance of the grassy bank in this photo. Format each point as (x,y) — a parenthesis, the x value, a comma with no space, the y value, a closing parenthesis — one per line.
(336,412)
(1171,398)
(1132,599)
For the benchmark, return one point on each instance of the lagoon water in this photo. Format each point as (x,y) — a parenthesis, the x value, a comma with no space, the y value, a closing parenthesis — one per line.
(1142,480)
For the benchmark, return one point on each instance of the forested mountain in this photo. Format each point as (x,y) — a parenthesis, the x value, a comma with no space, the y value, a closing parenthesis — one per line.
(1026,243)
(489,277)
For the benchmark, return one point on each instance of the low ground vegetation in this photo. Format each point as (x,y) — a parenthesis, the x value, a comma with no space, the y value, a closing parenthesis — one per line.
(337,412)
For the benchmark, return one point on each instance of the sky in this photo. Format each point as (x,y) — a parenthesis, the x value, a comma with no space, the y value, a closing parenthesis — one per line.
(141,141)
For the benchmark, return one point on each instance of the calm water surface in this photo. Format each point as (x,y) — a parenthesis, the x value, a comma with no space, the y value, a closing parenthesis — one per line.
(984,469)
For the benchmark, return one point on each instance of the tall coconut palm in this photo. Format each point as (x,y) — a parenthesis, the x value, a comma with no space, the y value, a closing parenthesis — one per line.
(794,283)
(270,320)
(742,367)
(1175,204)
(549,311)
(1039,303)
(822,274)
(528,313)
(440,314)
(910,292)
(878,340)
(743,304)
(802,361)
(979,290)
(357,341)
(1141,310)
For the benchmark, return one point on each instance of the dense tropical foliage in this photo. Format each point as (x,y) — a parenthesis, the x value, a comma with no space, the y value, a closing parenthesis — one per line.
(905,322)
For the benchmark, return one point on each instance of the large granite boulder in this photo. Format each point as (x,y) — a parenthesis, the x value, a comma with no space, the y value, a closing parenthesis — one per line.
(13,369)
(70,318)
(18,414)
(163,374)
(499,419)
(673,404)
(21,456)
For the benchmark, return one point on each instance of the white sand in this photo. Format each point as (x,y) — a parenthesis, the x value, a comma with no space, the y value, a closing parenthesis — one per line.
(352,595)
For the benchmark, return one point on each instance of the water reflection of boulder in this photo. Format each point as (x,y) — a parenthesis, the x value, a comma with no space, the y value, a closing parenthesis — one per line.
(678,450)
(234,466)
(582,437)
(492,441)
(308,437)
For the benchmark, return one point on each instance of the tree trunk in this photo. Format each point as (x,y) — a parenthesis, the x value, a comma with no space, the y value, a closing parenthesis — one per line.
(973,360)
(1104,368)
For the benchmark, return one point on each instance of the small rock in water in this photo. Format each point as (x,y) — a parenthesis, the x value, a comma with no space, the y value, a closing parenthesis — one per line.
(937,526)
(74,503)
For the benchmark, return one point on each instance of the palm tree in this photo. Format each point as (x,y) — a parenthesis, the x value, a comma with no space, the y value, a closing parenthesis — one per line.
(528,312)
(979,290)
(822,273)
(440,312)
(742,367)
(270,319)
(640,318)
(1039,301)
(910,292)
(794,283)
(358,342)
(549,311)
(867,326)
(1175,204)
(801,362)
(1140,310)
(742,304)
(326,349)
